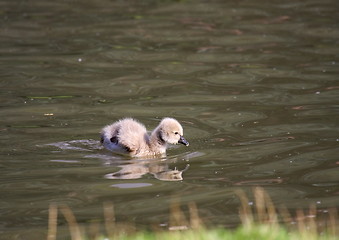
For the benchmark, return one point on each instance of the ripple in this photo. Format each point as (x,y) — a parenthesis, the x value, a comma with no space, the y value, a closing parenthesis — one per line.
(222,79)
(180,68)
(254,39)
(296,86)
(141,56)
(290,129)
(330,177)
(76,145)
(133,87)
(229,120)
(302,161)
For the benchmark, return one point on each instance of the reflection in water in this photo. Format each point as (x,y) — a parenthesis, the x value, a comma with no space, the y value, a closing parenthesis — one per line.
(130,168)
(136,170)
(131,185)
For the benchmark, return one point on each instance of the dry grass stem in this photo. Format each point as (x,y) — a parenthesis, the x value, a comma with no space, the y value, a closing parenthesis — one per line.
(271,211)
(311,220)
(260,204)
(285,214)
(177,218)
(195,220)
(94,230)
(333,215)
(245,212)
(109,216)
(72,223)
(52,222)
(300,220)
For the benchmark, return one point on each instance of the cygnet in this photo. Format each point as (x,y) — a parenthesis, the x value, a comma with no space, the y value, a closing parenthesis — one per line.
(128,136)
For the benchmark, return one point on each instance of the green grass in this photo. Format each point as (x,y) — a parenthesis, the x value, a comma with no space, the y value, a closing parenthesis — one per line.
(255,232)
(259,222)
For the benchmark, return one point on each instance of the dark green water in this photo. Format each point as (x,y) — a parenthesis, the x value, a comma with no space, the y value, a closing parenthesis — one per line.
(254,84)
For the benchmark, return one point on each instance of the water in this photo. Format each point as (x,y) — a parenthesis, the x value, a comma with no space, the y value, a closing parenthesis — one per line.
(255,86)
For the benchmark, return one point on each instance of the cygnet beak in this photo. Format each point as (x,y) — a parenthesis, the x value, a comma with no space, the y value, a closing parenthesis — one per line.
(182,140)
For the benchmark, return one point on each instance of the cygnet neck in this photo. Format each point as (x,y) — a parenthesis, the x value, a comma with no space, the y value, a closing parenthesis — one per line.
(157,143)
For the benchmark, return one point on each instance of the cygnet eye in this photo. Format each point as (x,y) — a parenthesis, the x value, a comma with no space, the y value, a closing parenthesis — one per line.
(176,133)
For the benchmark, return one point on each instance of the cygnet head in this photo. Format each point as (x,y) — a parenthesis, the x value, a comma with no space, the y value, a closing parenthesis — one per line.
(171,131)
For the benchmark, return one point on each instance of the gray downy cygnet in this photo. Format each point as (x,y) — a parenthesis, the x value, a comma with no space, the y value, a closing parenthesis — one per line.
(128,136)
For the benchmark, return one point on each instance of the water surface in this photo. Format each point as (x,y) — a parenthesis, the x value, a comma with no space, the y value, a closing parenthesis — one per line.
(254,84)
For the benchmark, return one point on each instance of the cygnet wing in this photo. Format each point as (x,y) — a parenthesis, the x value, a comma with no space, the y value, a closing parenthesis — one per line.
(132,135)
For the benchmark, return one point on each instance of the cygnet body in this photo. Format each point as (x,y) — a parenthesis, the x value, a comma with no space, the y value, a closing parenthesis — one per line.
(128,136)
